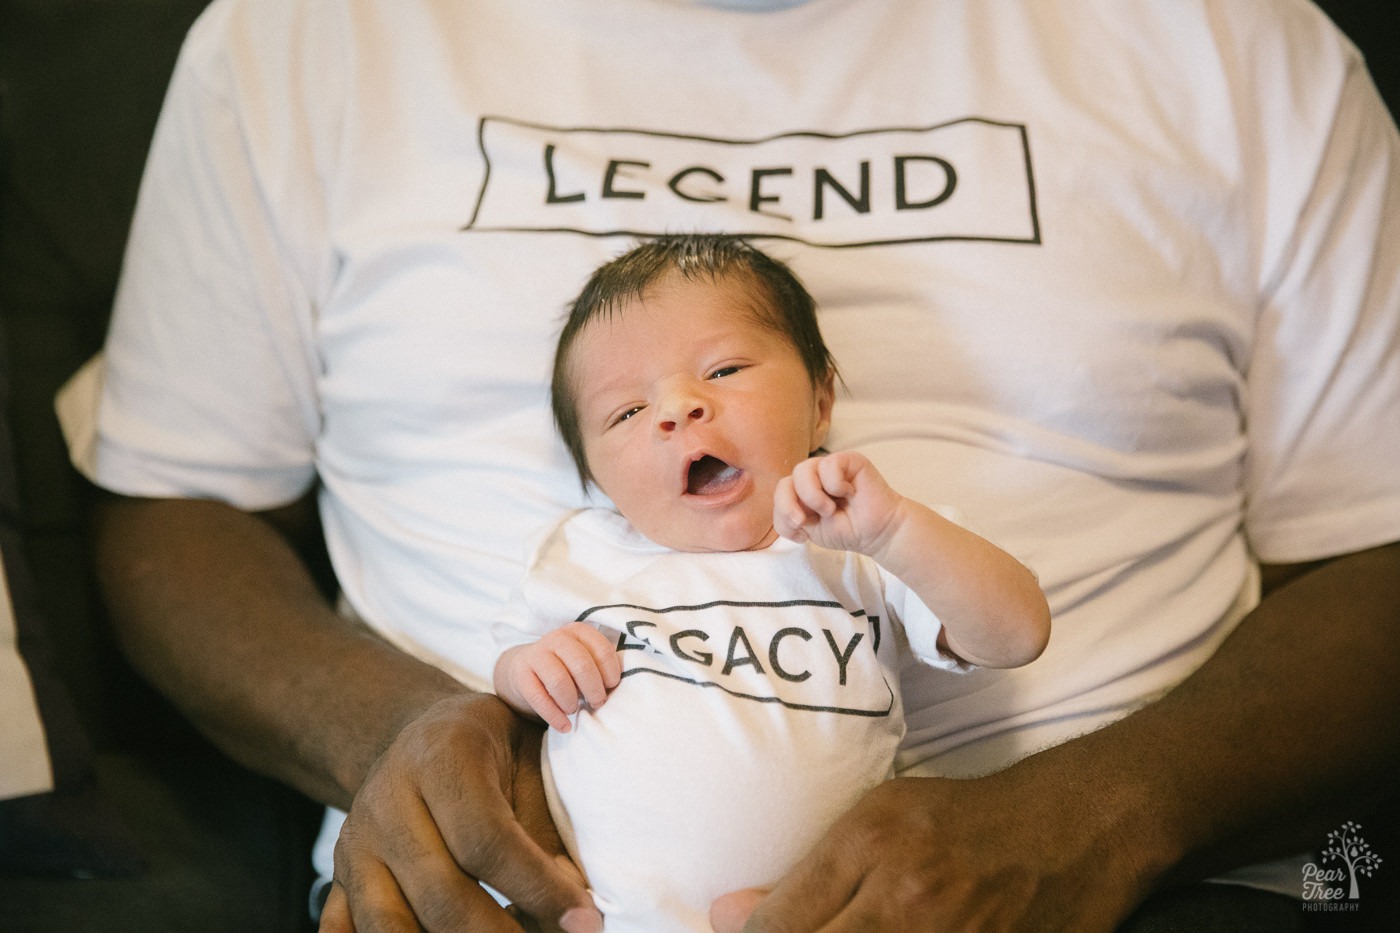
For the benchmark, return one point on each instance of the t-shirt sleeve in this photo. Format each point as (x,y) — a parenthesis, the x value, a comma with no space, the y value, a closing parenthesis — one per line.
(207,382)
(531,612)
(515,624)
(921,627)
(1322,406)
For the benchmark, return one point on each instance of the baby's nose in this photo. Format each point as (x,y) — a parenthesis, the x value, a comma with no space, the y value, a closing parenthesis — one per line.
(680,408)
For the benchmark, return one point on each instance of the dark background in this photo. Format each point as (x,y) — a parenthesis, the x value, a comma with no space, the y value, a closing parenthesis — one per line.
(80,85)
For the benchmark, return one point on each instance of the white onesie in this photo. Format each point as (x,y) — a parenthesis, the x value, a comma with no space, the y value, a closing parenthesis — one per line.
(759,700)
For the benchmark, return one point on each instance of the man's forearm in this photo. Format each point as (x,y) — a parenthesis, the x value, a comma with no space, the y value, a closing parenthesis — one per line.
(219,612)
(1286,732)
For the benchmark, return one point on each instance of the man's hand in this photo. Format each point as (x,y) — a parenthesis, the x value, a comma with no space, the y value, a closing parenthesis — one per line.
(552,677)
(938,854)
(457,796)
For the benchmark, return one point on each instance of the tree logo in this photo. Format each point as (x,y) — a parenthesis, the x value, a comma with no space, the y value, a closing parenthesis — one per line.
(1338,887)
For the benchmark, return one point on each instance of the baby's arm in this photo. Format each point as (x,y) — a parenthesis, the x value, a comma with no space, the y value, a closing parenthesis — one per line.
(546,679)
(992,609)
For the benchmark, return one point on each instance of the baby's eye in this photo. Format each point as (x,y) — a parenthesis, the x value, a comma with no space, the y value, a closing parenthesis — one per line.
(627,414)
(725,371)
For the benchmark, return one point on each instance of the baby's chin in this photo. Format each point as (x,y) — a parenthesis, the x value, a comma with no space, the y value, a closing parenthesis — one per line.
(751,538)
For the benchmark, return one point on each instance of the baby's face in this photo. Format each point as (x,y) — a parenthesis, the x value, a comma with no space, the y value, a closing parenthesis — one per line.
(691,412)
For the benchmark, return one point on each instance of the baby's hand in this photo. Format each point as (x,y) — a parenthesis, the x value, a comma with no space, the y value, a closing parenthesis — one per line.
(837,501)
(550,677)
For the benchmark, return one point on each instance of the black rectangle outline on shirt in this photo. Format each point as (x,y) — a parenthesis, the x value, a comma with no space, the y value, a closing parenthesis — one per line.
(1033,240)
(738,603)
(840,710)
(747,604)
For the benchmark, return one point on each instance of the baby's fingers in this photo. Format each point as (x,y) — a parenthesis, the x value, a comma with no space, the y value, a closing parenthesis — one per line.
(550,692)
(605,659)
(583,660)
(810,487)
(789,515)
(837,472)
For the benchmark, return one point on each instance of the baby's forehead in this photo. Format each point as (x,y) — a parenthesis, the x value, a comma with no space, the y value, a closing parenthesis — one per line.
(743,295)
(669,310)
(741,284)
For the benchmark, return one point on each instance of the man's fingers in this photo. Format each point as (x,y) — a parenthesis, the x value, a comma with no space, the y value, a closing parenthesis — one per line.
(729,913)
(438,811)
(509,838)
(811,895)
(815,892)
(335,915)
(368,900)
(424,891)
(548,888)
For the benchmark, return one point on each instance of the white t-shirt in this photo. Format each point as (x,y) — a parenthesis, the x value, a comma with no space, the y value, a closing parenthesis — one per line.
(1119,277)
(759,701)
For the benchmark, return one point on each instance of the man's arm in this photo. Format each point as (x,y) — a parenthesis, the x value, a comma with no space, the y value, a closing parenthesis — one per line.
(1278,738)
(217,609)
(1292,718)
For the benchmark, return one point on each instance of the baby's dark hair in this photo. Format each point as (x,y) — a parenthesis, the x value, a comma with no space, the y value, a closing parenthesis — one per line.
(789,309)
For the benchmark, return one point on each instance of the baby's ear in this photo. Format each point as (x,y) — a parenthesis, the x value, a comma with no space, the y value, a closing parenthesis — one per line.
(824,401)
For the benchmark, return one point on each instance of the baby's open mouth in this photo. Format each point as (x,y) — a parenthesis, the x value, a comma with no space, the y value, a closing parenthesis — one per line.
(709,475)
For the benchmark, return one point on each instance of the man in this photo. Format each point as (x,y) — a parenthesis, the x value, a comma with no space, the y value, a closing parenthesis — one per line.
(1118,279)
